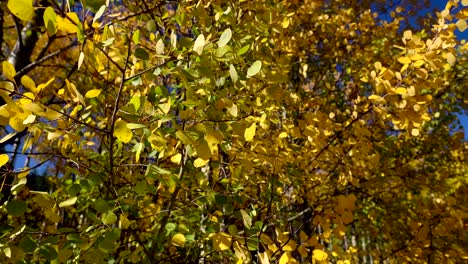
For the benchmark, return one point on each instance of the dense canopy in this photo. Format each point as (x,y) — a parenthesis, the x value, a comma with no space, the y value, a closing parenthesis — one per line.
(261,131)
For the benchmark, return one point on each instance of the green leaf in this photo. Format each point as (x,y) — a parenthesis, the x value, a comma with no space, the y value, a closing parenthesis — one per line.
(23,9)
(48,252)
(243,50)
(199,44)
(141,54)
(27,244)
(50,20)
(101,205)
(16,207)
(254,68)
(108,218)
(136,37)
(246,219)
(225,37)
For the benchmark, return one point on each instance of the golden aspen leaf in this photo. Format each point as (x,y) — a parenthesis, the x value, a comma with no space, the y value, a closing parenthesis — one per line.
(28,83)
(41,86)
(80,59)
(377,99)
(166,107)
(408,34)
(9,71)
(415,132)
(221,241)
(250,132)
(3,159)
(93,93)
(68,24)
(199,44)
(285,23)
(176,158)
(400,90)
(450,58)
(23,9)
(266,239)
(290,246)
(263,257)
(122,132)
(16,122)
(178,240)
(319,255)
(404,60)
(287,258)
(30,119)
(199,162)
(378,65)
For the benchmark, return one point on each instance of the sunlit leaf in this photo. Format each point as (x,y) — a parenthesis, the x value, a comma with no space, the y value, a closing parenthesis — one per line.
(69,202)
(50,20)
(23,9)
(225,37)
(199,44)
(93,93)
(250,132)
(9,71)
(3,159)
(178,240)
(254,69)
(122,132)
(221,241)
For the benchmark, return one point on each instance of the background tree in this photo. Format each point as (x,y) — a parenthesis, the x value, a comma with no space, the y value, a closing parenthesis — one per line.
(254,131)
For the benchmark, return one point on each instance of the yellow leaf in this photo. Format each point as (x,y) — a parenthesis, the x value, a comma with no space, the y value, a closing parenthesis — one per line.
(450,58)
(408,34)
(3,159)
(122,132)
(221,241)
(286,258)
(250,132)
(176,158)
(68,24)
(124,222)
(400,90)
(319,255)
(199,44)
(404,60)
(28,83)
(285,22)
(93,93)
(199,162)
(415,132)
(68,202)
(9,71)
(178,240)
(80,60)
(465,2)
(23,9)
(377,99)
(44,85)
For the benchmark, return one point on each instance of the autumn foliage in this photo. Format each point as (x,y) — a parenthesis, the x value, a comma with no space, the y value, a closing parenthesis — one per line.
(232,132)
